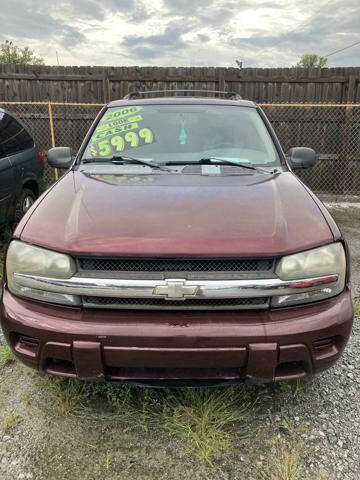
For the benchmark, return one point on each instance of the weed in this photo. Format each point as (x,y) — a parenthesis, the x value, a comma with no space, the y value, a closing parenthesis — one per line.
(293,387)
(203,416)
(68,395)
(108,460)
(9,421)
(6,356)
(283,453)
(357,309)
(27,398)
(283,464)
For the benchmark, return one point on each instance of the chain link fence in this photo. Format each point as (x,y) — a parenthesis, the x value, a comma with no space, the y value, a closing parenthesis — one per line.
(55,124)
(332,130)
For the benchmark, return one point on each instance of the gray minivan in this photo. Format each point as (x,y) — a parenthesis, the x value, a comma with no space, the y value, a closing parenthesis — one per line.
(21,169)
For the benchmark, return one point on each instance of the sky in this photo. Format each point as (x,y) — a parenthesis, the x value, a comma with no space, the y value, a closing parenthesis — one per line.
(259,33)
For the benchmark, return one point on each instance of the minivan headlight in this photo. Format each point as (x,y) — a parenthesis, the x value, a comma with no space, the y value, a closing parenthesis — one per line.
(26,259)
(318,262)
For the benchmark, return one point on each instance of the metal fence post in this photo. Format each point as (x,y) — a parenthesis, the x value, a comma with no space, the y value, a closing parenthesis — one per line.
(52,133)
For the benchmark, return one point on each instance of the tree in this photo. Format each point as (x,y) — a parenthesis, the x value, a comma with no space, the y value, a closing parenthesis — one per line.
(311,60)
(10,53)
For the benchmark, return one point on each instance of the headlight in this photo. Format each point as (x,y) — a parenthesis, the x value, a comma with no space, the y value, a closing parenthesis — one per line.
(318,262)
(26,259)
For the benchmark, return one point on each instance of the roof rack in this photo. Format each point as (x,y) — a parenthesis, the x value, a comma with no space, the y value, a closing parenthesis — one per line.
(138,93)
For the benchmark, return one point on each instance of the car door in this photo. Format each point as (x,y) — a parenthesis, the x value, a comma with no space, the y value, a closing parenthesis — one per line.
(19,148)
(7,186)
(23,154)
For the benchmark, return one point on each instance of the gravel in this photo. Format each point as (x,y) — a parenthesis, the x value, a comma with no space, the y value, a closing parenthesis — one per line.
(330,410)
(321,417)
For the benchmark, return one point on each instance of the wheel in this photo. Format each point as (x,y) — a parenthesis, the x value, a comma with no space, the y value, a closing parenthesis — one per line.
(27,198)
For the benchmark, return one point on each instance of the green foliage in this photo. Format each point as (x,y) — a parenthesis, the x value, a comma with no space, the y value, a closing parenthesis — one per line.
(10,53)
(6,356)
(68,395)
(283,453)
(293,387)
(9,421)
(202,417)
(357,309)
(311,60)
(283,465)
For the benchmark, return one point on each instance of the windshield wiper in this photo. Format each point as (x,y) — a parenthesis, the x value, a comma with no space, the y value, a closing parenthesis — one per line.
(121,159)
(236,164)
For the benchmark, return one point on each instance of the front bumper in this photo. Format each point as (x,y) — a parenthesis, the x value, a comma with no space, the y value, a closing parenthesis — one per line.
(167,346)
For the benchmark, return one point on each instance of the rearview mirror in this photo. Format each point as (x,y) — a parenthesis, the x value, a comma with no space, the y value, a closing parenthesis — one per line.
(59,157)
(301,157)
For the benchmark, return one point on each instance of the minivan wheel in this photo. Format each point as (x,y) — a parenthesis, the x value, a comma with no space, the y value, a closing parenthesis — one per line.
(27,198)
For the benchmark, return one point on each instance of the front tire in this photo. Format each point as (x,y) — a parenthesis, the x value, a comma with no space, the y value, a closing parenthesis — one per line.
(26,200)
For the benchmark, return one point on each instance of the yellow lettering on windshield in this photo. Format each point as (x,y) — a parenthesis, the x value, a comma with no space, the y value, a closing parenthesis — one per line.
(110,132)
(117,122)
(120,112)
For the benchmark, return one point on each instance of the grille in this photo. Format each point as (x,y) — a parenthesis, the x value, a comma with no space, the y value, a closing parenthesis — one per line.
(176,264)
(190,303)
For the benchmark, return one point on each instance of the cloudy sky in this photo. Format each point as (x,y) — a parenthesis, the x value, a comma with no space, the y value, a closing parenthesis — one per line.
(260,33)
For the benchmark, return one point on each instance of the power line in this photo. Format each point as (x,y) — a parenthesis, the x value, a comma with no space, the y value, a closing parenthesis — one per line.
(342,49)
(301,25)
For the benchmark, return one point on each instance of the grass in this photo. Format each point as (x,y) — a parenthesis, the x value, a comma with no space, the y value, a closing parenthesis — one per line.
(357,309)
(283,459)
(68,396)
(293,387)
(202,418)
(6,356)
(5,236)
(9,421)
(282,464)
(283,453)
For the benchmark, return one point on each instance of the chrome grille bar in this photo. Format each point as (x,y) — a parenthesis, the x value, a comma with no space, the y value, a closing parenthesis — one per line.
(173,289)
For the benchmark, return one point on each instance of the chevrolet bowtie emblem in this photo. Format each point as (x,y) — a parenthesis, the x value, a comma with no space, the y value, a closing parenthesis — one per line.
(175,290)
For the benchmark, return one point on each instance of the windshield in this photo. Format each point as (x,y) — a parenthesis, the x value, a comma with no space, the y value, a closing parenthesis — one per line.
(182,133)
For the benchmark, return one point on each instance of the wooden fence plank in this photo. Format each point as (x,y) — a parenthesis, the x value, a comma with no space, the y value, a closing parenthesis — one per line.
(101,84)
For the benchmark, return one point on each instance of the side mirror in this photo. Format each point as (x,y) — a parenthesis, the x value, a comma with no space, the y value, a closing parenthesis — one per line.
(301,157)
(59,157)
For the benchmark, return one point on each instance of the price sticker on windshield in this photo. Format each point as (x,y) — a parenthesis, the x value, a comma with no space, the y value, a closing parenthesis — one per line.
(119,130)
(117,143)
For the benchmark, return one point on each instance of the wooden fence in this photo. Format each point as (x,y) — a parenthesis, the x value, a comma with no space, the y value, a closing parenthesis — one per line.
(101,84)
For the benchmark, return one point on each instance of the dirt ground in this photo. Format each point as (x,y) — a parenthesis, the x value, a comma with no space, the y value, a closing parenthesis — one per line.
(289,431)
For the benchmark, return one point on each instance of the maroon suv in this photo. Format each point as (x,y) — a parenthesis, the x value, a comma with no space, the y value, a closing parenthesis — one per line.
(178,248)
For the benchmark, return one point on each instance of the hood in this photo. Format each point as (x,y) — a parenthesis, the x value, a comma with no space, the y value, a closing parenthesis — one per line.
(173,215)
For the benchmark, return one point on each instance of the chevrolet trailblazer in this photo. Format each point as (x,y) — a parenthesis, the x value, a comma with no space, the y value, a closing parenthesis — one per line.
(178,248)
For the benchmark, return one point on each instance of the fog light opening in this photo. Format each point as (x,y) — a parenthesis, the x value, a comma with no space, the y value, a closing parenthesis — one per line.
(61,367)
(290,370)
(323,344)
(26,345)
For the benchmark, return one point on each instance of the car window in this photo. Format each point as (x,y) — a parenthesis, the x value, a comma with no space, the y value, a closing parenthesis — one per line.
(13,136)
(168,133)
